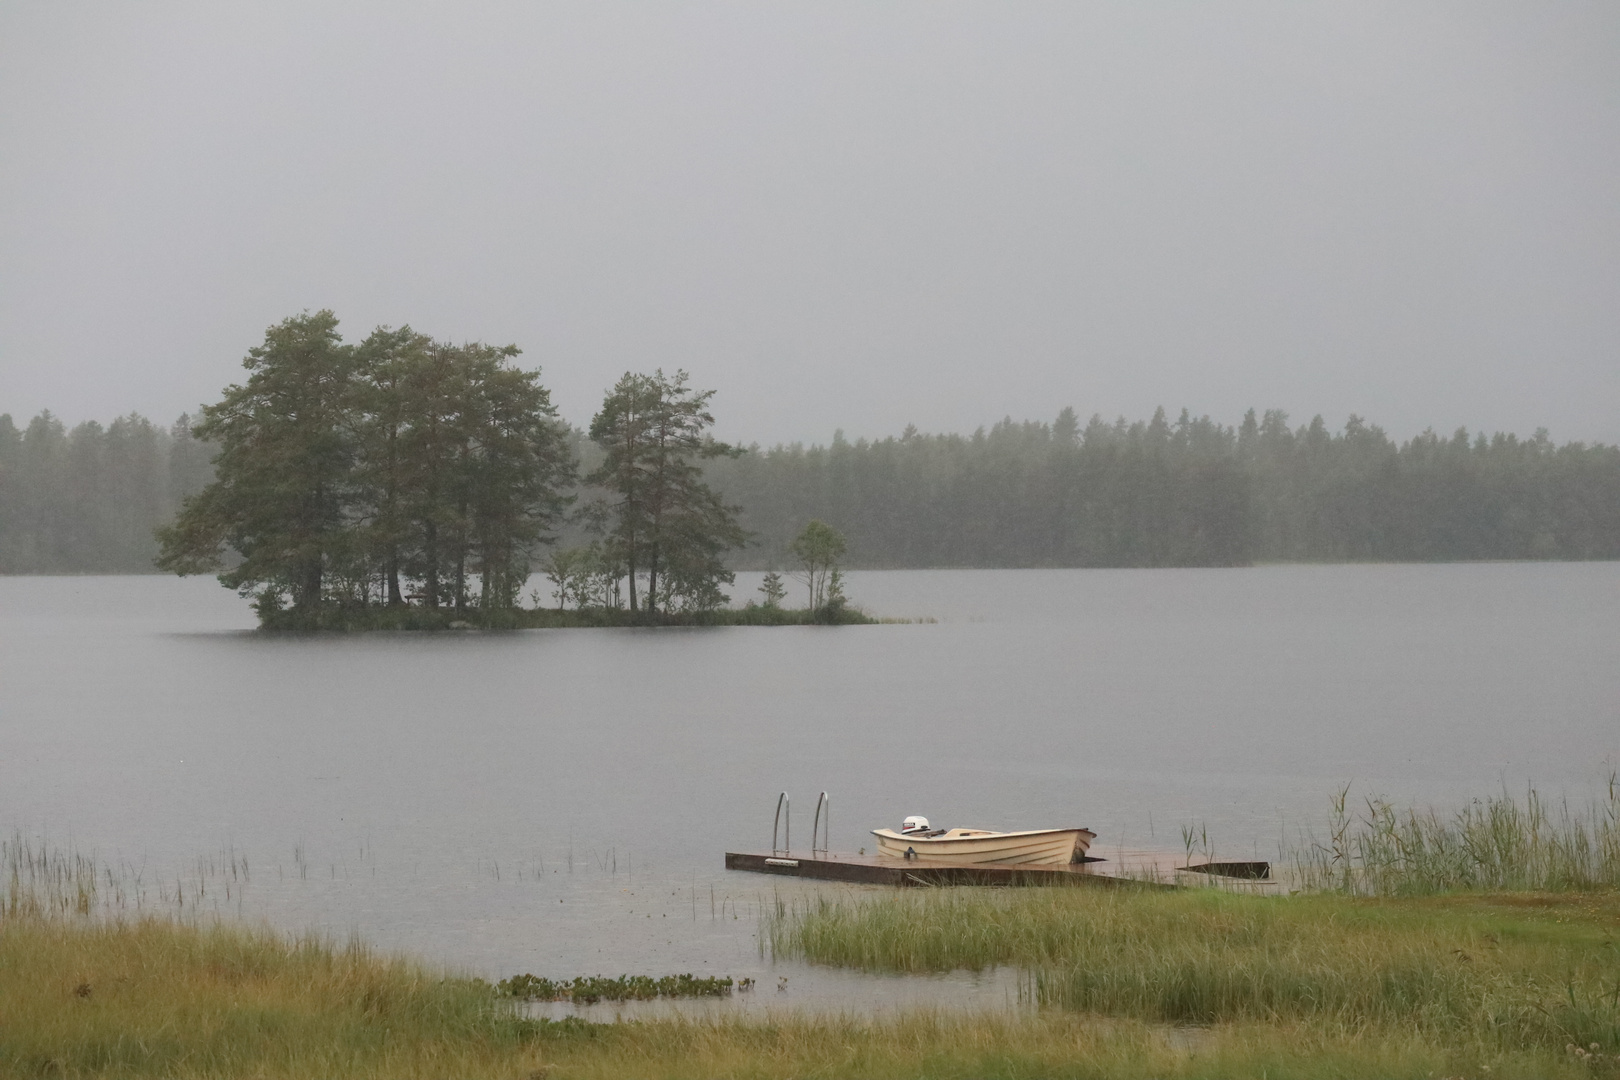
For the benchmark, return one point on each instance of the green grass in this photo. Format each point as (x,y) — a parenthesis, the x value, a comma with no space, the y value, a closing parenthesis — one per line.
(1512,970)
(158,998)
(1498,843)
(153,997)
(104,973)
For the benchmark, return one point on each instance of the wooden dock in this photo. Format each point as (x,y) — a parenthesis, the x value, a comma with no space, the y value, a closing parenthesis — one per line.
(1113,867)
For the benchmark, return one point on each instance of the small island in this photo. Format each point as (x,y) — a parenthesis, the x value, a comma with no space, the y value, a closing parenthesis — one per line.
(410,484)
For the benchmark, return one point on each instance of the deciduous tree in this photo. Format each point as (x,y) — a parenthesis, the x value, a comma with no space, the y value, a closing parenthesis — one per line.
(818,547)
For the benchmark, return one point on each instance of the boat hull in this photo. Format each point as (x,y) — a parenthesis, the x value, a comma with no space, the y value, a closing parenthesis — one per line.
(1036,847)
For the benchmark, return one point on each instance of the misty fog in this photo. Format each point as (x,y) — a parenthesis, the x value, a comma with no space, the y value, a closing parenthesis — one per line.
(840,215)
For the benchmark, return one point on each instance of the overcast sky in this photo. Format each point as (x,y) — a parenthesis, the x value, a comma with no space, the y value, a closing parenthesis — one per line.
(839,215)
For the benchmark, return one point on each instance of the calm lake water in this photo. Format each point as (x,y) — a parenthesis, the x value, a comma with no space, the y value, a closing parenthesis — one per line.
(559,801)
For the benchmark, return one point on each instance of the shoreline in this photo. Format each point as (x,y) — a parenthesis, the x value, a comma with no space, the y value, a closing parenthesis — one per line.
(432,620)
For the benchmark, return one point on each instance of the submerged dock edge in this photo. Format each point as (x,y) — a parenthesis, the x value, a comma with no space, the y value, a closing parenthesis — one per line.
(1130,868)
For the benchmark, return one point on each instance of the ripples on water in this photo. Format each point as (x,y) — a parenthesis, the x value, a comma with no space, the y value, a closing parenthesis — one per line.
(429,792)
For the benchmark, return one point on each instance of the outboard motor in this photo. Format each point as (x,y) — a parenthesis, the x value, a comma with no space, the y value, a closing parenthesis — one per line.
(913,824)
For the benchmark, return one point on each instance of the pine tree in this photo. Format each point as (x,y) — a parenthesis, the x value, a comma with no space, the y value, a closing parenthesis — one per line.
(282,476)
(659,514)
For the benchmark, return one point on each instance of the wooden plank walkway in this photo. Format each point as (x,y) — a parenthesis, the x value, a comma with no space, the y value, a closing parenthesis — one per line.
(1114,867)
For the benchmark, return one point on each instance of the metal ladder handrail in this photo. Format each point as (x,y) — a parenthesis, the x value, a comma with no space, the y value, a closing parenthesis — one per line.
(815,830)
(782,802)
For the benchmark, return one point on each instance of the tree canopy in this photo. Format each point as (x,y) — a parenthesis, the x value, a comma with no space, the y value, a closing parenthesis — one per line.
(418,517)
(89,499)
(1180,492)
(817,549)
(282,474)
(659,517)
(344,471)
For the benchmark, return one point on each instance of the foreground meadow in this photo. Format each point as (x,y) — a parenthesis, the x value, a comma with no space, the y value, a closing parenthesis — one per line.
(1483,946)
(1141,984)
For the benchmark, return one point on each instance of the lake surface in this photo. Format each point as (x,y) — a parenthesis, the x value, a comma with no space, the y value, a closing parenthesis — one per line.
(558,801)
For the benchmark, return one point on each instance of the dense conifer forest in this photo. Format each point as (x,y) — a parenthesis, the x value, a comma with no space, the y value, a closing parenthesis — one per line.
(1187,492)
(1161,492)
(89,499)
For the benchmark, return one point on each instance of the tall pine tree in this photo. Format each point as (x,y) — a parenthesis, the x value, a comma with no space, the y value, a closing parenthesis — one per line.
(283,474)
(660,516)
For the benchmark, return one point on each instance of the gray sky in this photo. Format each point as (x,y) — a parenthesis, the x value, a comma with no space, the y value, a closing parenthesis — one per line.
(855,215)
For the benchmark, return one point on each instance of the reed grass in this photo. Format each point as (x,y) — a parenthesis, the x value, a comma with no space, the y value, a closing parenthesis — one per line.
(39,879)
(1495,843)
(1538,970)
(1413,963)
(154,997)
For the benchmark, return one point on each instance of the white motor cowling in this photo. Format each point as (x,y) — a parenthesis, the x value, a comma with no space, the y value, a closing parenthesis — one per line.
(914,824)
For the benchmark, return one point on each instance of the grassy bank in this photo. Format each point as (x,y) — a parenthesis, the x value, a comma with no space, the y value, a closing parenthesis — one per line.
(410,617)
(1410,961)
(1497,925)
(1511,970)
(156,998)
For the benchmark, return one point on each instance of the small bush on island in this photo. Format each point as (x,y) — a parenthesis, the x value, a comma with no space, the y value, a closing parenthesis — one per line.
(772,589)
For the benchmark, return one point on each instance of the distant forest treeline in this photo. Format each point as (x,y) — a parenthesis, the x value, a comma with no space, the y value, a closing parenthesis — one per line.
(88,500)
(1188,492)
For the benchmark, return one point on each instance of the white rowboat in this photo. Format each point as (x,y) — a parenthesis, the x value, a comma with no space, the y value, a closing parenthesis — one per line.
(1035,847)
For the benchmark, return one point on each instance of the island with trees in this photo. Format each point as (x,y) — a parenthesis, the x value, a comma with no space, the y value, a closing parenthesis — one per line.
(408,483)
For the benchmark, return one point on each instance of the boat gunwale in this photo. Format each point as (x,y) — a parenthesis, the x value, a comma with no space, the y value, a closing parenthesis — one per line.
(981,835)
(1030,847)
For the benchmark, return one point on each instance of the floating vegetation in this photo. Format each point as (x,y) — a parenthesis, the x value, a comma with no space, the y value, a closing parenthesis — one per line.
(587,990)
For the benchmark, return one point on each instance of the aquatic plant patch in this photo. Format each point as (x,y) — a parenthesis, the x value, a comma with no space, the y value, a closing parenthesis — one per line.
(587,990)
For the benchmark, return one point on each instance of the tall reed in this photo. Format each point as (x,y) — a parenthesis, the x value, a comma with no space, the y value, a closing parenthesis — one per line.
(41,879)
(1497,842)
(1476,969)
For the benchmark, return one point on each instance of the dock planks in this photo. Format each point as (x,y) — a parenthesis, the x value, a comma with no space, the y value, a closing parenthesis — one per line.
(1114,867)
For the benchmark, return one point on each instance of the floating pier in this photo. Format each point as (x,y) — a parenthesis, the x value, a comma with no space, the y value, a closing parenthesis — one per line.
(1114,867)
